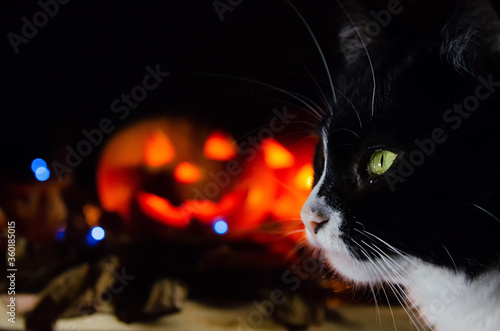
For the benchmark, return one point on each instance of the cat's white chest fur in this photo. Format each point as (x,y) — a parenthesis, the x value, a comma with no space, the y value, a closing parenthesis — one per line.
(449,302)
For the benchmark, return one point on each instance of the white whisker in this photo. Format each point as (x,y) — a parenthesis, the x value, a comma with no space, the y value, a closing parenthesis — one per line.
(315,82)
(353,107)
(451,257)
(370,285)
(345,129)
(366,51)
(325,64)
(388,272)
(392,248)
(316,113)
(487,212)
(408,275)
(293,95)
(396,281)
(375,266)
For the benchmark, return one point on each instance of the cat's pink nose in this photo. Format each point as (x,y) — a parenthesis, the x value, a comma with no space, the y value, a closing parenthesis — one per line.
(313,220)
(319,223)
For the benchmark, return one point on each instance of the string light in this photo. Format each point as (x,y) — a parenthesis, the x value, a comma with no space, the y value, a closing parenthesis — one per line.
(220,226)
(39,168)
(98,233)
(38,163)
(60,233)
(95,235)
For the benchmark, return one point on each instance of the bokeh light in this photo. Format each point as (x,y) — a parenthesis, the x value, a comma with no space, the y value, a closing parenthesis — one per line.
(42,174)
(98,233)
(60,234)
(95,235)
(187,173)
(39,168)
(38,163)
(220,226)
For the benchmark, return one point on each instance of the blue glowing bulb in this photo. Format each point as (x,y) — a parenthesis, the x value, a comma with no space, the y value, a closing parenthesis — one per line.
(42,174)
(39,168)
(38,163)
(97,233)
(220,227)
(60,233)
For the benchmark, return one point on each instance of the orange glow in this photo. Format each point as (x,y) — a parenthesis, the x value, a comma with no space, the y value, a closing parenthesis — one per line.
(115,188)
(219,147)
(276,155)
(206,210)
(286,208)
(158,150)
(260,198)
(186,172)
(203,210)
(304,178)
(255,197)
(162,210)
(92,214)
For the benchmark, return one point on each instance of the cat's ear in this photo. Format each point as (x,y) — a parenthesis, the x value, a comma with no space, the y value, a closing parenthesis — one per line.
(464,31)
(471,35)
(365,22)
(352,36)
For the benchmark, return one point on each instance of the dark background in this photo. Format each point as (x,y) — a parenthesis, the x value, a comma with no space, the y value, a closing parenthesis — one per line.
(66,77)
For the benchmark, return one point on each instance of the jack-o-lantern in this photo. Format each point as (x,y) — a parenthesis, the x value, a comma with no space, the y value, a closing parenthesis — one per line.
(176,173)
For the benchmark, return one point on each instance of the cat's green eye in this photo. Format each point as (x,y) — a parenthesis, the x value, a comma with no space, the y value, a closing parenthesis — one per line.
(380,161)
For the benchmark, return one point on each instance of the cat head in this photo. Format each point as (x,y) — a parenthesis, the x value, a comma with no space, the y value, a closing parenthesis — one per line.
(408,164)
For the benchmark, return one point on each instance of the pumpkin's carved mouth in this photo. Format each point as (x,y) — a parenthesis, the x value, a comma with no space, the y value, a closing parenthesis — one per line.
(162,210)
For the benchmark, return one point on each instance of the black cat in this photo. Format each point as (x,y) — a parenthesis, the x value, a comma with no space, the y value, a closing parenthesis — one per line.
(407,174)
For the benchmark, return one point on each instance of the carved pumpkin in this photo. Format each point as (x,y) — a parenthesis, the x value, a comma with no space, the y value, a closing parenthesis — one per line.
(176,172)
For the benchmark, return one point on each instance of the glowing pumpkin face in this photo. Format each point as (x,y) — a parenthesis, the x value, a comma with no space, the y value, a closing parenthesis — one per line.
(160,158)
(177,172)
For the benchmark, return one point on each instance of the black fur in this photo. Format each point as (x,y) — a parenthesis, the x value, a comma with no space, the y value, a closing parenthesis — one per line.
(446,211)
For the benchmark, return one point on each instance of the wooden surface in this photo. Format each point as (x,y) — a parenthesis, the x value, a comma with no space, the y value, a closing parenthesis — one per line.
(197,316)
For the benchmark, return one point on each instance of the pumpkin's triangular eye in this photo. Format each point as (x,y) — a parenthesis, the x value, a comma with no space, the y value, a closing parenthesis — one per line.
(219,146)
(277,156)
(187,173)
(305,177)
(158,150)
